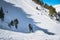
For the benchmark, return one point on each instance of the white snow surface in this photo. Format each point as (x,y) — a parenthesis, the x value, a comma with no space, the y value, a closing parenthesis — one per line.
(25,11)
(57,7)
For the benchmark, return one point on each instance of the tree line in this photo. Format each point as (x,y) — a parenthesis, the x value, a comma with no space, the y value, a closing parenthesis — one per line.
(52,10)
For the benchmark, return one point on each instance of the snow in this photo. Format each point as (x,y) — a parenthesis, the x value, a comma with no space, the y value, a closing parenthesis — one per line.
(25,11)
(9,35)
(57,7)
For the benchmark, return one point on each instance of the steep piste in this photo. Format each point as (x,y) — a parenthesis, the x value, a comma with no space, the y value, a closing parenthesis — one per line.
(25,11)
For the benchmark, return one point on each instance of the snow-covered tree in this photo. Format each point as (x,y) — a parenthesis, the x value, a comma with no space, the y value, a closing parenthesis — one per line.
(51,11)
(40,2)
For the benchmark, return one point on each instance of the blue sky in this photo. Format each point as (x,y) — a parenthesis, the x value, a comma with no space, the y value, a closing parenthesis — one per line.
(52,2)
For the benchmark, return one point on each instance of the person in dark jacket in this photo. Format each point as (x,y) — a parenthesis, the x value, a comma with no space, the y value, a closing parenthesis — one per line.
(1,14)
(30,28)
(11,24)
(16,23)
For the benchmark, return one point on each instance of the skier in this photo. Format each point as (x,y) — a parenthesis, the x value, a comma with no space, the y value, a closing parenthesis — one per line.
(1,14)
(30,28)
(16,23)
(11,24)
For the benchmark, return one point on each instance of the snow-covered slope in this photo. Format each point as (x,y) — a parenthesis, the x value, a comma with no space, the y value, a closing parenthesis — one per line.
(25,11)
(9,35)
(57,7)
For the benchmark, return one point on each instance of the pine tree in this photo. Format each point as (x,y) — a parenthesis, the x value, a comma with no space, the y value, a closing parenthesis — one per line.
(51,11)
(40,2)
(46,6)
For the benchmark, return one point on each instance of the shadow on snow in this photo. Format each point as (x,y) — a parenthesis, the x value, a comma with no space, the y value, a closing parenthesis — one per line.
(23,19)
